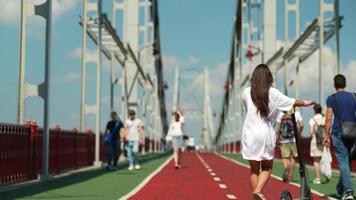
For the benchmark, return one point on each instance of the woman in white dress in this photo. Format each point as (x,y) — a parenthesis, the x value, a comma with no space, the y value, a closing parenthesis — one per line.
(262,103)
(316,143)
(175,134)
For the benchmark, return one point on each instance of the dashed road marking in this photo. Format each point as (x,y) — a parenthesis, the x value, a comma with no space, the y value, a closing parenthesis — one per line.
(217,179)
(231,196)
(222,186)
(213,174)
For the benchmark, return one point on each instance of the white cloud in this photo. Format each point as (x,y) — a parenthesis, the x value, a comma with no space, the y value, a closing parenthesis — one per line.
(10,9)
(350,72)
(171,61)
(76,53)
(67,78)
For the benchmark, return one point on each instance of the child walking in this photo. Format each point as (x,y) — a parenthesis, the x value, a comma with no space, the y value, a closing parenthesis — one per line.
(262,103)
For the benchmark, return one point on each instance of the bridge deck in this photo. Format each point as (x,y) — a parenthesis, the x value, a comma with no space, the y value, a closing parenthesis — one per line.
(204,176)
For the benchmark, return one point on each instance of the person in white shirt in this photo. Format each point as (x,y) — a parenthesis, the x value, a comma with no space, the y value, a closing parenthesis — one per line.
(317,131)
(175,134)
(262,103)
(134,136)
(286,141)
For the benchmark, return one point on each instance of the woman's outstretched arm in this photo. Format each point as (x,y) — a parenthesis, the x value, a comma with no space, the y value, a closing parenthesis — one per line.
(301,103)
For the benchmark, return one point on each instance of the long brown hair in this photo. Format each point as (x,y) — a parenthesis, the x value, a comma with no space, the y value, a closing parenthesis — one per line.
(261,82)
(176,116)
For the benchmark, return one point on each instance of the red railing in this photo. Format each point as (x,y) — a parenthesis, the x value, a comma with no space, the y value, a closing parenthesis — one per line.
(21,151)
(305,146)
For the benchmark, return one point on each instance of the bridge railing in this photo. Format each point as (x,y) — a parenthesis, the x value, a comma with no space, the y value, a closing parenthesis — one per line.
(21,151)
(305,145)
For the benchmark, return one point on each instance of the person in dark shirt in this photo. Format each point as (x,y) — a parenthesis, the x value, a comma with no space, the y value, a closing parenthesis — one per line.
(114,127)
(343,105)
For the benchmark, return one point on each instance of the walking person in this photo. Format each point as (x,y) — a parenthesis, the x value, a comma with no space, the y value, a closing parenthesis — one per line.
(317,132)
(113,128)
(342,105)
(134,136)
(175,134)
(262,103)
(286,141)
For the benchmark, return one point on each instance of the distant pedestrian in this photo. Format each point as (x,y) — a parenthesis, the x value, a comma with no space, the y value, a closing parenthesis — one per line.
(134,136)
(286,141)
(113,128)
(262,103)
(175,134)
(317,132)
(343,106)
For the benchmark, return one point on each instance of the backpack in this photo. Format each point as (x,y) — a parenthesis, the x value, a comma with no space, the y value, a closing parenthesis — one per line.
(286,127)
(319,134)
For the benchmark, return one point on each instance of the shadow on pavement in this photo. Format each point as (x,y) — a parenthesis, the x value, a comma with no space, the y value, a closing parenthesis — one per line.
(31,190)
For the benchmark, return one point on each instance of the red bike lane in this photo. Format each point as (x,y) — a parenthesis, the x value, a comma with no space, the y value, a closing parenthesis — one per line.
(207,176)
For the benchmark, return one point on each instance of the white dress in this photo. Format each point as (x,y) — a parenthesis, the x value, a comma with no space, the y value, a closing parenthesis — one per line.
(258,135)
(315,151)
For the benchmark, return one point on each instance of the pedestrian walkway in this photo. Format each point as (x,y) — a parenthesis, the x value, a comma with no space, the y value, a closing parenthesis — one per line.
(207,176)
(90,185)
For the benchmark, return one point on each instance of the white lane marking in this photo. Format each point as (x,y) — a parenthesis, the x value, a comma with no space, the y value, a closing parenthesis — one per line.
(213,174)
(147,179)
(210,170)
(273,176)
(231,196)
(222,186)
(217,179)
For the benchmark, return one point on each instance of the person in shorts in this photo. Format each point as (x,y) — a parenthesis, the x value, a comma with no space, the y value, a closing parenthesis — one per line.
(286,141)
(175,135)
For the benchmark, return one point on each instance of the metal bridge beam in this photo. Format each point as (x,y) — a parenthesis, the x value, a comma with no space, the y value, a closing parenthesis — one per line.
(43,89)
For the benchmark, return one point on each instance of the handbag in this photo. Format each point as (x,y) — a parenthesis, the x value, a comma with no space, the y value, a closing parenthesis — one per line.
(108,136)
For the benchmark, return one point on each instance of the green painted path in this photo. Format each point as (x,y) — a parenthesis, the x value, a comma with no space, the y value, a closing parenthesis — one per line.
(90,185)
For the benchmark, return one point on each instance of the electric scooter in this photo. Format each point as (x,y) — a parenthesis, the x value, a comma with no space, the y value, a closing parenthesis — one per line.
(305,193)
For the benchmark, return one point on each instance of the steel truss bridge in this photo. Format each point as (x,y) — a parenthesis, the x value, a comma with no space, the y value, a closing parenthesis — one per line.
(141,79)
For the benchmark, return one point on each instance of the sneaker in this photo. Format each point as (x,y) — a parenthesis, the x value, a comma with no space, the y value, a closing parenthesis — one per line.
(348,196)
(258,196)
(289,179)
(285,175)
(109,167)
(316,181)
(115,168)
(131,167)
(137,167)
(339,194)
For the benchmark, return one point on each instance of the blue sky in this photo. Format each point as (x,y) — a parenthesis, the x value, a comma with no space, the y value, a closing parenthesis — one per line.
(195,33)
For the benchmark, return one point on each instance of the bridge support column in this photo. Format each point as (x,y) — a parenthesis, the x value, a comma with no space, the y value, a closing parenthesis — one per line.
(43,89)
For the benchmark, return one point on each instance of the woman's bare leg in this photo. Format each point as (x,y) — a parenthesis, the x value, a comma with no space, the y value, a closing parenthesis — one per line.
(176,156)
(255,167)
(292,166)
(266,166)
(179,156)
(317,167)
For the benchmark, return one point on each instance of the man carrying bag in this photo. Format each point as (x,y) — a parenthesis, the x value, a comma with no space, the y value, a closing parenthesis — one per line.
(343,133)
(112,140)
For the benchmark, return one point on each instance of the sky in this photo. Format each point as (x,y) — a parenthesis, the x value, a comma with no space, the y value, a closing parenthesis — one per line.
(194,34)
